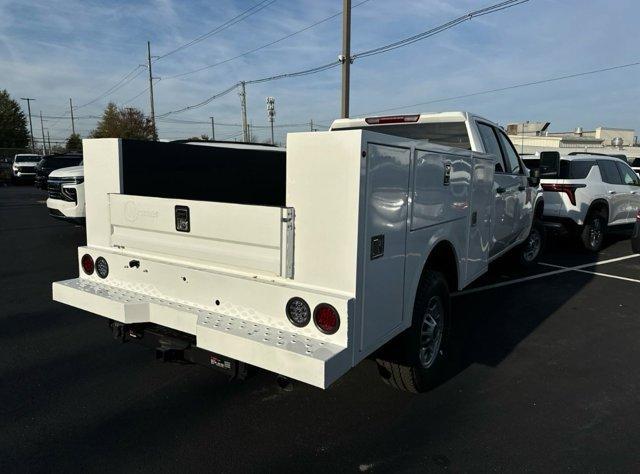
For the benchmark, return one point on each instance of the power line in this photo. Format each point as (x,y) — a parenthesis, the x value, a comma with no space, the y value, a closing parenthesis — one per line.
(227,24)
(130,76)
(433,31)
(506,88)
(251,51)
(203,103)
(439,29)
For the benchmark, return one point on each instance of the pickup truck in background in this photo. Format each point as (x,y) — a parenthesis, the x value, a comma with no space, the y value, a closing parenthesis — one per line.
(24,166)
(302,261)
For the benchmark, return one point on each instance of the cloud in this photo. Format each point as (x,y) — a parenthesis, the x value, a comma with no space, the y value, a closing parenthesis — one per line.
(56,49)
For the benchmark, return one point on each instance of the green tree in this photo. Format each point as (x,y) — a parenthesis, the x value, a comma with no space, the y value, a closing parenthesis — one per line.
(74,142)
(125,122)
(202,138)
(13,123)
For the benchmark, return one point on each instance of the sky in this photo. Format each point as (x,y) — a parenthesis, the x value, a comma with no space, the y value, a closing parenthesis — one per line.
(52,50)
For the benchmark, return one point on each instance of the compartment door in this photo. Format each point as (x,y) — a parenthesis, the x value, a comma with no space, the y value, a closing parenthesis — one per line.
(385,242)
(481,205)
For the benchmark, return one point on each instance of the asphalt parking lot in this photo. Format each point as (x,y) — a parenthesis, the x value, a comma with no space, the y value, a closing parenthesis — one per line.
(548,380)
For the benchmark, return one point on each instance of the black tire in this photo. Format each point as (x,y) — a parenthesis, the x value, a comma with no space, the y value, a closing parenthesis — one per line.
(530,250)
(593,232)
(404,364)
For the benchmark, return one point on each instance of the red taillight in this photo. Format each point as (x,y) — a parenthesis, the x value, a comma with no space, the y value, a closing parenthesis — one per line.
(87,264)
(392,119)
(326,318)
(569,189)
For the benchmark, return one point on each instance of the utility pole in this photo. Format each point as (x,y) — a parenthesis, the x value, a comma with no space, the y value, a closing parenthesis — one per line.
(153,113)
(213,129)
(271,113)
(28,99)
(73,125)
(243,105)
(345,57)
(44,143)
(49,140)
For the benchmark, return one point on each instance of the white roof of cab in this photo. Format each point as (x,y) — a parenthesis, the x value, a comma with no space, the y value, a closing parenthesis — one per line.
(456,116)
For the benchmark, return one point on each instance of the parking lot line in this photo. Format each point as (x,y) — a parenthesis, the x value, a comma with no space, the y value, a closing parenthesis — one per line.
(560,269)
(608,275)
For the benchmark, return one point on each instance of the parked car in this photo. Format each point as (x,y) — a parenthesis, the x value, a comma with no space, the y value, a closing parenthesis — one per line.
(66,194)
(635,165)
(50,163)
(307,260)
(590,194)
(24,166)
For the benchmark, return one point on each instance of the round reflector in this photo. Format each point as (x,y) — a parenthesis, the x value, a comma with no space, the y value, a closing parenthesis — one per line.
(102,267)
(87,264)
(298,312)
(326,318)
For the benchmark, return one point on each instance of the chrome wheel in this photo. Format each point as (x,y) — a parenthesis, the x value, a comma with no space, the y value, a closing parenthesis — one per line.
(431,332)
(532,246)
(595,233)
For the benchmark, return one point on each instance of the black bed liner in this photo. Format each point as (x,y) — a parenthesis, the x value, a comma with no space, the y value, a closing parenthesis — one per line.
(204,173)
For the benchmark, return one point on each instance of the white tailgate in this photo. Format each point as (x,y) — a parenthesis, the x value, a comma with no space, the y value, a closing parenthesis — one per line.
(256,238)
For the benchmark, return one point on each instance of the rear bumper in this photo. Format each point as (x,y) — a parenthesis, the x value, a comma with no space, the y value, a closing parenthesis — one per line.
(312,361)
(561,224)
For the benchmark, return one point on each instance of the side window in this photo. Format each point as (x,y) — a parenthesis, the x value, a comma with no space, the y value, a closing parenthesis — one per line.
(609,172)
(628,176)
(580,169)
(511,155)
(491,145)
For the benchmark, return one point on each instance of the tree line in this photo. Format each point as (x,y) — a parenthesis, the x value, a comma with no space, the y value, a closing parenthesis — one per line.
(115,122)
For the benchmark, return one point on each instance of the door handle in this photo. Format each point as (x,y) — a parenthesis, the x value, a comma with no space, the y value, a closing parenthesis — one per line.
(611,191)
(501,190)
(521,188)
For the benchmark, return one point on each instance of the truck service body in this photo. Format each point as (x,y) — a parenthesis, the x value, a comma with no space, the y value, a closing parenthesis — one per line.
(302,262)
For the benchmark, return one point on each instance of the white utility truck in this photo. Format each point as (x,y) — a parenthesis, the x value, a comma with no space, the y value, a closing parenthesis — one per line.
(302,261)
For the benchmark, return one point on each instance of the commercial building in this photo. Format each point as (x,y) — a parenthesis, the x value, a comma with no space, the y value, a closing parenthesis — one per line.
(531,137)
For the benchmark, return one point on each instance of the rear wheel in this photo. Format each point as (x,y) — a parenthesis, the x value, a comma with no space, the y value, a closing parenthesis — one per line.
(414,362)
(593,232)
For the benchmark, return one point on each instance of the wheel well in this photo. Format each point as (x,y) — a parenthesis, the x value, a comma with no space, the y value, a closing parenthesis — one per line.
(443,259)
(599,207)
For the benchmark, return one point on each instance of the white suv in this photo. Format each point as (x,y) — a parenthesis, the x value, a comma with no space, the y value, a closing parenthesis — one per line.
(590,193)
(24,166)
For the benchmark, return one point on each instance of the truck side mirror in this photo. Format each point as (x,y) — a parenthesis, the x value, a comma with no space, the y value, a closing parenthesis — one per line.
(534,177)
(549,164)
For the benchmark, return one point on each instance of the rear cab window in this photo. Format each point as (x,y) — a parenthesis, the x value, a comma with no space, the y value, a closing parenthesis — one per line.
(453,134)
